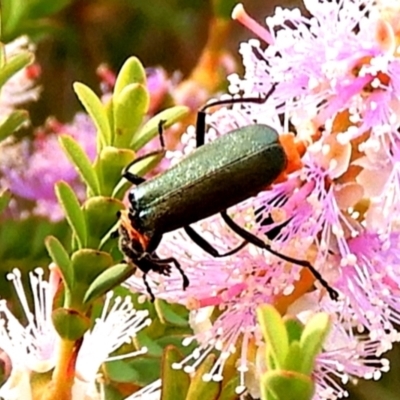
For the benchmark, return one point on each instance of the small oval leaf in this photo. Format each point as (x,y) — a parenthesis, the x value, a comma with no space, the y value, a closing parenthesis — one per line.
(73,212)
(200,386)
(13,122)
(130,108)
(107,280)
(293,360)
(312,340)
(60,257)
(88,264)
(286,385)
(15,64)
(70,324)
(175,382)
(274,332)
(96,110)
(81,161)
(131,72)
(101,216)
(173,314)
(109,166)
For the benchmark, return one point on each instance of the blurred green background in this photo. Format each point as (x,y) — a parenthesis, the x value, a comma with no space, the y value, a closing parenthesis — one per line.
(74,37)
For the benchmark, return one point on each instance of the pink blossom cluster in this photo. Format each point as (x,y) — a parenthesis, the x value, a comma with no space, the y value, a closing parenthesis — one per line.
(336,79)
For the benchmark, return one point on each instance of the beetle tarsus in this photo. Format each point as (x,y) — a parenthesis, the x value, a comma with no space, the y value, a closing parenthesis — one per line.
(148,288)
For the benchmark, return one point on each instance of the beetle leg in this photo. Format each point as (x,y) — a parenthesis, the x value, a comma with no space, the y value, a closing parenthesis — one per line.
(149,291)
(201,114)
(136,179)
(200,128)
(133,178)
(259,243)
(165,261)
(114,234)
(201,242)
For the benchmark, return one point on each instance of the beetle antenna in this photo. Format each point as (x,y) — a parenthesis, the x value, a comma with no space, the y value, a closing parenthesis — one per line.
(201,115)
(136,179)
(258,100)
(161,123)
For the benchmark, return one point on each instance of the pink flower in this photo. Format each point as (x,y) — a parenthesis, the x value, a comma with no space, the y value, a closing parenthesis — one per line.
(336,77)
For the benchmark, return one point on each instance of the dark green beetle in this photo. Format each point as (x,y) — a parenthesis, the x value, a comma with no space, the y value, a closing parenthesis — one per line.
(214,177)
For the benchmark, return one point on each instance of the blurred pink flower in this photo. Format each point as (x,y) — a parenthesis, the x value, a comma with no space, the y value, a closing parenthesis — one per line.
(31,169)
(21,88)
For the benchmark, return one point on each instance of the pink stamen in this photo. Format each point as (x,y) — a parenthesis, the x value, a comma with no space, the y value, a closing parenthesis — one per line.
(234,291)
(239,14)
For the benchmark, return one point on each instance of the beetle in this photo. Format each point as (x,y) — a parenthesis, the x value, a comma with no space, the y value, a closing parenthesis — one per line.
(214,177)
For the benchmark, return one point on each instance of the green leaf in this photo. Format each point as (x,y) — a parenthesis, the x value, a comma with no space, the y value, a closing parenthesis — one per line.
(70,324)
(120,371)
(109,166)
(312,340)
(229,389)
(169,314)
(12,123)
(73,212)
(2,49)
(81,161)
(97,112)
(88,264)
(107,280)
(274,332)
(5,197)
(12,12)
(153,348)
(139,371)
(131,72)
(15,64)
(286,385)
(175,339)
(130,107)
(109,110)
(294,329)
(60,257)
(294,358)
(101,215)
(150,128)
(175,381)
(201,387)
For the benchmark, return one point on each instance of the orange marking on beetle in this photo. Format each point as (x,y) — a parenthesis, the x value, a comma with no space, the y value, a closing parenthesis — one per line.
(134,235)
(294,150)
